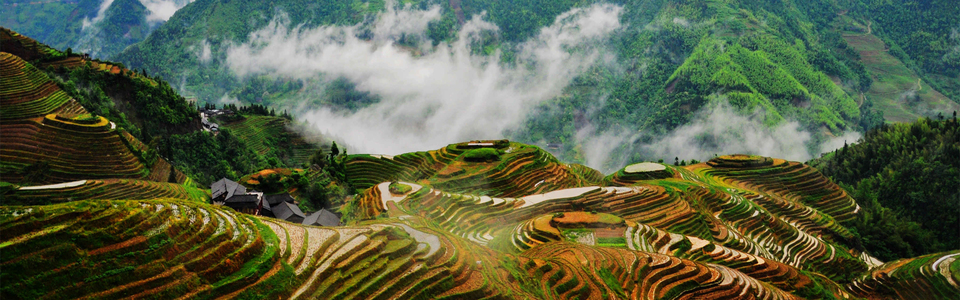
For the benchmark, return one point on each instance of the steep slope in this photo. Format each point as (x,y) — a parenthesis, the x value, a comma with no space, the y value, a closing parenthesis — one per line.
(667,60)
(58,23)
(897,90)
(266,134)
(142,105)
(100,28)
(25,92)
(905,177)
(49,137)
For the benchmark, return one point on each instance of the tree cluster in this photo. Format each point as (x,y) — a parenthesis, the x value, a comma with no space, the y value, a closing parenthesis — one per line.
(905,178)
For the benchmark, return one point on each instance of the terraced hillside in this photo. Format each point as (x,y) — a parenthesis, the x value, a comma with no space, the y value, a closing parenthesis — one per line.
(48,137)
(496,168)
(25,47)
(34,51)
(106,189)
(264,134)
(709,231)
(25,92)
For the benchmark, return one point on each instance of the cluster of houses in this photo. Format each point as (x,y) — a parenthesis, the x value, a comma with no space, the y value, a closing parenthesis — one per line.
(206,113)
(281,206)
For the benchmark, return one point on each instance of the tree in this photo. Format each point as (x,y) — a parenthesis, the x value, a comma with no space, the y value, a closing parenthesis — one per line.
(319,159)
(334,151)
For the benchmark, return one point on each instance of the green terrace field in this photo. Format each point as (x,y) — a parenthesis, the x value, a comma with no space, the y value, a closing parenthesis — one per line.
(897,91)
(738,226)
(106,189)
(31,50)
(66,151)
(25,92)
(265,134)
(49,138)
(26,47)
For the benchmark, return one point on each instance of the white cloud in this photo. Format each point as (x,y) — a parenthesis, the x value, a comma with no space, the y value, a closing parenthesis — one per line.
(443,96)
(606,151)
(87,22)
(834,143)
(162,10)
(394,23)
(720,129)
(204,54)
(227,99)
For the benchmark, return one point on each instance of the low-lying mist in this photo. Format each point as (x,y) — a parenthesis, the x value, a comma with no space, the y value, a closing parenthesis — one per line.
(446,95)
(716,129)
(720,129)
(431,96)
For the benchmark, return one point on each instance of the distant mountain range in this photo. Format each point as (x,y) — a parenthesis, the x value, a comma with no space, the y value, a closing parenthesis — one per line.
(101,28)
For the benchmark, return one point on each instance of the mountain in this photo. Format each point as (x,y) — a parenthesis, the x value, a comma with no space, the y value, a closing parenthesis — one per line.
(90,211)
(100,28)
(568,72)
(510,221)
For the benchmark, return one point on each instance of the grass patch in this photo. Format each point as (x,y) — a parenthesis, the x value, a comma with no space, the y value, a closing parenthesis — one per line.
(481,155)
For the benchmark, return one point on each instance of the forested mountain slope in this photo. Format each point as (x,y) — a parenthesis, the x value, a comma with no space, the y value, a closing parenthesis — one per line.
(823,64)
(100,28)
(906,178)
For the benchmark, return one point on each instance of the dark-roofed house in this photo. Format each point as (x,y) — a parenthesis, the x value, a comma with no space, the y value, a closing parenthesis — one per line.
(226,188)
(322,217)
(288,211)
(249,204)
(277,198)
(232,194)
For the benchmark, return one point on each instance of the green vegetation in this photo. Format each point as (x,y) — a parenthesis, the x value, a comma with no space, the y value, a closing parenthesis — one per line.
(147,108)
(904,176)
(490,218)
(206,157)
(399,188)
(61,24)
(482,155)
(273,137)
(922,34)
(797,60)
(438,244)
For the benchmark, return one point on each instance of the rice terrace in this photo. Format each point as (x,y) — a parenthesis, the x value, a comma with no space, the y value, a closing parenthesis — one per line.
(653,149)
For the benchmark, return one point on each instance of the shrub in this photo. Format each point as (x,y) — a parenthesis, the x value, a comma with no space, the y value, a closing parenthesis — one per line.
(399,188)
(482,155)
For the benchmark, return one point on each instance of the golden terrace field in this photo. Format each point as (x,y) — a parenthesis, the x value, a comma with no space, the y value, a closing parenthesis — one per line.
(522,225)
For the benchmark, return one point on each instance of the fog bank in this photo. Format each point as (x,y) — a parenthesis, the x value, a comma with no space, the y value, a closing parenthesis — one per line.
(446,95)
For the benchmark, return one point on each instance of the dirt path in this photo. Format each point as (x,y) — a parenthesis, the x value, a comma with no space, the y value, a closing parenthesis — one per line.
(54,186)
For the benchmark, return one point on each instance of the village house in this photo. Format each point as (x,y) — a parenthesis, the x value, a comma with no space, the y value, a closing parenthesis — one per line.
(281,206)
(322,217)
